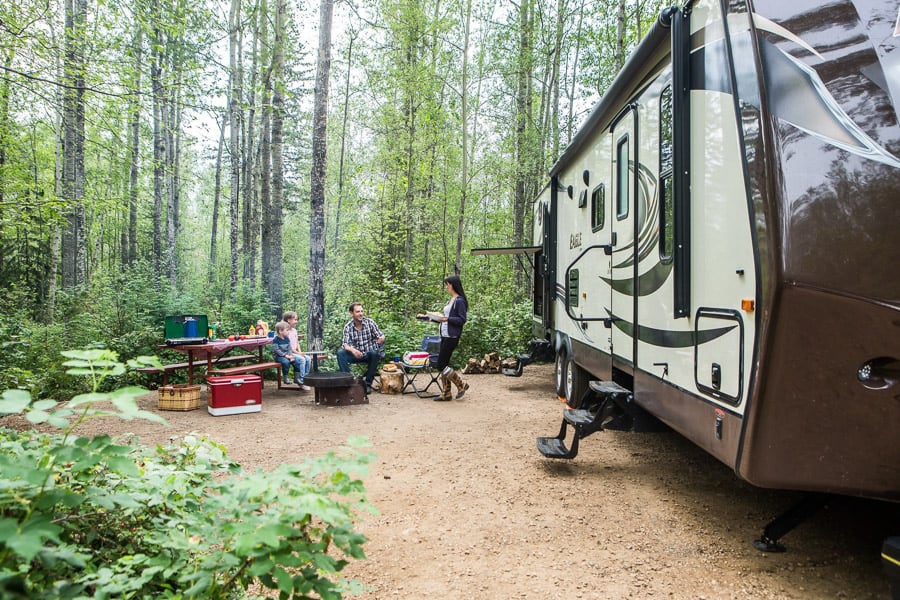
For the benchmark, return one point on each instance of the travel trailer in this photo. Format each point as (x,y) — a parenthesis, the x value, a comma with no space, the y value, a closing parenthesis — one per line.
(718,247)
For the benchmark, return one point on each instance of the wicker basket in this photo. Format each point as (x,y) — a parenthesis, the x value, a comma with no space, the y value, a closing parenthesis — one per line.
(178,397)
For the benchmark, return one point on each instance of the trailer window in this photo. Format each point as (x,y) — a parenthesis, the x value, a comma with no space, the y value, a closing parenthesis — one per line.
(622,178)
(666,187)
(573,287)
(598,208)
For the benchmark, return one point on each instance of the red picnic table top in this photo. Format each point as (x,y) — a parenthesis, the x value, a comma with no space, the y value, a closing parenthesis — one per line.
(218,348)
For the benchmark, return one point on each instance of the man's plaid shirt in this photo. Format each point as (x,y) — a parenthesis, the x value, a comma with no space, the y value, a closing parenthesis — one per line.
(363,339)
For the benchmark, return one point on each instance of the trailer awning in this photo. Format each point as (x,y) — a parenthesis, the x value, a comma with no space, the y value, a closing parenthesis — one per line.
(518,251)
(507,250)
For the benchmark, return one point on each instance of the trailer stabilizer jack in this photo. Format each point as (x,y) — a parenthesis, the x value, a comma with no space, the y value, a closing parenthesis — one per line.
(787,521)
(890,558)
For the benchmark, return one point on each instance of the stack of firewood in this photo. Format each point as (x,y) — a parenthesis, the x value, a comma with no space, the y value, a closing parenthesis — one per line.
(510,364)
(489,364)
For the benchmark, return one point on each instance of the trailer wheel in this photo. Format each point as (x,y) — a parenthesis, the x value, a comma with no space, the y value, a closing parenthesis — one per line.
(576,383)
(559,373)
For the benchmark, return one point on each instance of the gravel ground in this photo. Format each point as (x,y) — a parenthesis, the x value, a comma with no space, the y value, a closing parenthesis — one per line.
(468,508)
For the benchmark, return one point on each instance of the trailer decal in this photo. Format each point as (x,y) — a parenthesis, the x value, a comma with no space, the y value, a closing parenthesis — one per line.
(666,338)
(648,283)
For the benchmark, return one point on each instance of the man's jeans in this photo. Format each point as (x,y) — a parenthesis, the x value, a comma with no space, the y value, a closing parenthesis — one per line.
(372,357)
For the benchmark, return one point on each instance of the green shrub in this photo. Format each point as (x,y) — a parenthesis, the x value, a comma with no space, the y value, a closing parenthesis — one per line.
(100,518)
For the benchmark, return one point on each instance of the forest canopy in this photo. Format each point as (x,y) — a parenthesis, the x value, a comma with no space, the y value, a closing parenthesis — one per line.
(163,157)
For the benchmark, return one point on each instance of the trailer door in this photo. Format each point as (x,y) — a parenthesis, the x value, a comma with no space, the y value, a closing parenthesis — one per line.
(624,257)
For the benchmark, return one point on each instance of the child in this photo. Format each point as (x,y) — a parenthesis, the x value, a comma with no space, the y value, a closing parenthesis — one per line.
(281,348)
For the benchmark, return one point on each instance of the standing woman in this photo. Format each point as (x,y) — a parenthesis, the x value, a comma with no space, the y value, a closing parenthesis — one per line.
(451,328)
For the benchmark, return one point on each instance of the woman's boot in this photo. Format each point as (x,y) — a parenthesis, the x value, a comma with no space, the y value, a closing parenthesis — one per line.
(453,376)
(446,392)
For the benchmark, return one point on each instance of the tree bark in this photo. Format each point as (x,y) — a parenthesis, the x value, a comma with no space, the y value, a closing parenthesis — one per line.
(316,327)
(464,117)
(130,251)
(234,121)
(251,230)
(217,195)
(276,260)
(74,245)
(620,36)
(522,118)
(337,212)
(158,138)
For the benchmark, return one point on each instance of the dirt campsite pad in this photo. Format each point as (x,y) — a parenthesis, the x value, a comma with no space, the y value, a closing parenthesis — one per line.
(468,508)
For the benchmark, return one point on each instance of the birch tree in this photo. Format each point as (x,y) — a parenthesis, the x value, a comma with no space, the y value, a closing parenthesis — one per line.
(73,242)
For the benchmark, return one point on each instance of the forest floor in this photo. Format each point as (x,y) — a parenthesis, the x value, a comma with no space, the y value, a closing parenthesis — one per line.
(468,508)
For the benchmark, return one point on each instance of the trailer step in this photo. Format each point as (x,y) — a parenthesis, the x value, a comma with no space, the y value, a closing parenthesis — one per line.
(608,388)
(578,417)
(552,447)
(606,412)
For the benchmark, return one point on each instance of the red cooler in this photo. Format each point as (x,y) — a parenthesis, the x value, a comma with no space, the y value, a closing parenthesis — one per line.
(234,395)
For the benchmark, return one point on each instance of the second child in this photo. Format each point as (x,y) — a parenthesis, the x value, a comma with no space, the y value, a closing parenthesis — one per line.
(285,354)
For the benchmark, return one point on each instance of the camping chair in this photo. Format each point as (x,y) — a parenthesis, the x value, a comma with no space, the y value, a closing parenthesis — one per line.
(427,367)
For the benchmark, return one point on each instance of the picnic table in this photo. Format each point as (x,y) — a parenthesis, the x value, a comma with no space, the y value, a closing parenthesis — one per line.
(217,352)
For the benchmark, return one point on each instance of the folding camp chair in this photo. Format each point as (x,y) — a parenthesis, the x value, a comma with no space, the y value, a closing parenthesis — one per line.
(426,367)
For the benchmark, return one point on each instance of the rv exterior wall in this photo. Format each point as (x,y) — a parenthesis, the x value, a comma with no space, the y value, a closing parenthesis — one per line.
(793,210)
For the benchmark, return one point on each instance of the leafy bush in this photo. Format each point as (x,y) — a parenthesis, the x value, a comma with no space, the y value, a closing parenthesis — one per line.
(99,518)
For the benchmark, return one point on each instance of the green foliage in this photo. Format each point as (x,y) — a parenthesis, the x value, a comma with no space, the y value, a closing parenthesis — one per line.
(101,518)
(497,327)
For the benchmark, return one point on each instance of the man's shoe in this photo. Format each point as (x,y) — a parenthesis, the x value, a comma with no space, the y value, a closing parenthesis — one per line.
(286,381)
(304,387)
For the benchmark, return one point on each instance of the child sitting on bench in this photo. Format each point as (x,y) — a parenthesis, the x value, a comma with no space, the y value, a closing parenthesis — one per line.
(281,348)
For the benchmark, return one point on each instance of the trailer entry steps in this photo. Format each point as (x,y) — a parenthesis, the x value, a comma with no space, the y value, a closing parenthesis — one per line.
(605,404)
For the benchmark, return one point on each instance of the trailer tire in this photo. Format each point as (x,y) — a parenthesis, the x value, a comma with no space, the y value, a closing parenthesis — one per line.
(576,383)
(559,372)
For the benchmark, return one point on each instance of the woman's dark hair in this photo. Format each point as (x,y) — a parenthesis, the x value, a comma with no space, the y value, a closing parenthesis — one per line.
(456,284)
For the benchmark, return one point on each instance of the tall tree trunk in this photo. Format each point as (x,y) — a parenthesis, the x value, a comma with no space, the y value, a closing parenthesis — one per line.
(5,131)
(276,278)
(264,160)
(234,120)
(570,123)
(156,43)
(464,116)
(74,244)
(130,253)
(555,77)
(317,188)
(217,195)
(620,35)
(340,198)
(523,155)
(251,211)
(172,124)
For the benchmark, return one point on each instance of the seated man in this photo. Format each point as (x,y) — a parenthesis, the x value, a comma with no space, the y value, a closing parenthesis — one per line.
(362,342)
